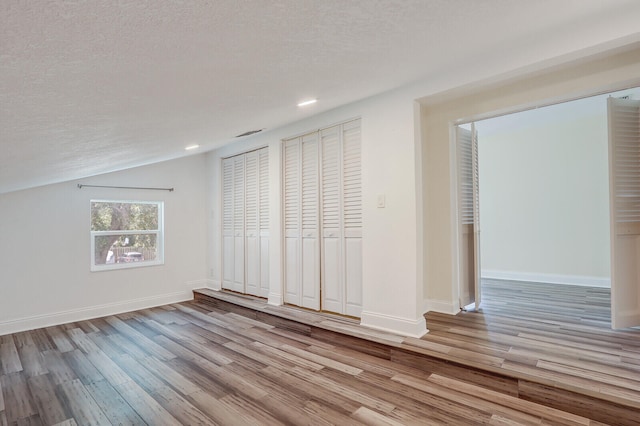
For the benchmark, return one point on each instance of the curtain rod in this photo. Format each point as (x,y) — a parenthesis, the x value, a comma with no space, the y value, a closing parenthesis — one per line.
(80,186)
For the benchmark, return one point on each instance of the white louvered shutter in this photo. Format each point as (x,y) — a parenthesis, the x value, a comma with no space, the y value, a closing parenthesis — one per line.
(292,226)
(342,219)
(238,222)
(263,215)
(332,219)
(227,224)
(624,177)
(251,229)
(310,223)
(352,216)
(468,229)
(477,272)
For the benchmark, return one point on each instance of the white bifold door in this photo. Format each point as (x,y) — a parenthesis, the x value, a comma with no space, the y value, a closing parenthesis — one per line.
(468,217)
(624,193)
(301,222)
(323,220)
(245,223)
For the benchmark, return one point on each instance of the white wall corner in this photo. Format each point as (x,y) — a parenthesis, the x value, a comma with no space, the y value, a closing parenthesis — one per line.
(443,306)
(424,306)
(392,324)
(82,314)
(536,277)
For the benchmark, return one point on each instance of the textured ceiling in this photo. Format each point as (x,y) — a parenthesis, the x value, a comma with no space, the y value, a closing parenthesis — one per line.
(88,87)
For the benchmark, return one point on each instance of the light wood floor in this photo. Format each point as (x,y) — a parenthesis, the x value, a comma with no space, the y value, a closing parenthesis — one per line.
(191,363)
(557,334)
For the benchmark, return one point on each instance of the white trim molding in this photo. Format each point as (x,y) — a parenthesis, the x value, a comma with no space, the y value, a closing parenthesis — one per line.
(392,324)
(443,306)
(535,277)
(215,284)
(97,311)
(196,284)
(275,299)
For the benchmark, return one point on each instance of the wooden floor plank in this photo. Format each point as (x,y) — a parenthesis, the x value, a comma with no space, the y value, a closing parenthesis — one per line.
(61,340)
(145,405)
(112,404)
(139,339)
(18,401)
(49,407)
(81,404)
(57,367)
(9,358)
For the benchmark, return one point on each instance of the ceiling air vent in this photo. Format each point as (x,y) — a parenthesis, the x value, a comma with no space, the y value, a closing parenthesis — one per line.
(250,132)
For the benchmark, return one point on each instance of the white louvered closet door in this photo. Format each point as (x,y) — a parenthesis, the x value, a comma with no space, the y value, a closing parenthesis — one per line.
(228,237)
(352,216)
(245,223)
(332,248)
(341,197)
(252,224)
(238,223)
(624,178)
(263,220)
(302,254)
(468,217)
(310,223)
(292,225)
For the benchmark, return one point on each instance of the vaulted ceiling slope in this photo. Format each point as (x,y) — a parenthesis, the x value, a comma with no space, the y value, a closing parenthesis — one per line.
(98,86)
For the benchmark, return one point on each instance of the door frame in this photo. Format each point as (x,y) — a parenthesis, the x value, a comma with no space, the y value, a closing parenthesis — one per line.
(453,162)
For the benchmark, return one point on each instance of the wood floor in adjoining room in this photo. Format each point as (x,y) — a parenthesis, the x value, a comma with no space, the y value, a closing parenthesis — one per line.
(193,364)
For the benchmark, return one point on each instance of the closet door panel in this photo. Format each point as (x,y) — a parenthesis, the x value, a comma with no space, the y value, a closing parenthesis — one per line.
(263,217)
(310,272)
(332,278)
(252,223)
(310,222)
(292,221)
(353,276)
(292,271)
(332,273)
(228,238)
(238,223)
(263,291)
(352,216)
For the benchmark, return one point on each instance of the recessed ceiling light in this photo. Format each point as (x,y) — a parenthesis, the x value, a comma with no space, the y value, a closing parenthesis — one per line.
(309,102)
(190,147)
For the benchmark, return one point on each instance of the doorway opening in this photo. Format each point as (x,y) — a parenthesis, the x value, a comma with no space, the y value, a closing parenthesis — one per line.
(539,237)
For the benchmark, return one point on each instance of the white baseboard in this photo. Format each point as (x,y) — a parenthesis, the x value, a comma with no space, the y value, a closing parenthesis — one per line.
(443,306)
(81,314)
(535,277)
(216,284)
(206,283)
(404,326)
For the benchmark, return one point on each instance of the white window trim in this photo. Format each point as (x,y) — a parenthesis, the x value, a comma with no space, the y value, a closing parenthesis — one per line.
(159,233)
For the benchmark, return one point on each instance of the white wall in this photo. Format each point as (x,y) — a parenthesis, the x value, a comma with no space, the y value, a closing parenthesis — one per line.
(45,248)
(392,293)
(544,199)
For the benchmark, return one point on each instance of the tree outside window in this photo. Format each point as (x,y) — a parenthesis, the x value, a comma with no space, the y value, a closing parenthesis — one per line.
(126,234)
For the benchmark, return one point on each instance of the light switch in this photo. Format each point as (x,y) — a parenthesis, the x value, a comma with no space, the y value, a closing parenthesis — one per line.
(381,201)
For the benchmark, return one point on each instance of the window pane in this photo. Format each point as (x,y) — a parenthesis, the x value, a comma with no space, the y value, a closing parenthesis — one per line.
(110,216)
(111,249)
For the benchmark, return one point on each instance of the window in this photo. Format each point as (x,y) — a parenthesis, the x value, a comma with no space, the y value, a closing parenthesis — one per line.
(126,234)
